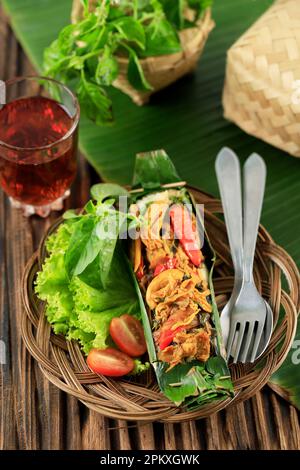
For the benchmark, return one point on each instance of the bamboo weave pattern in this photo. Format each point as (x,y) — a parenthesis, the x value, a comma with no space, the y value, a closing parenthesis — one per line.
(262,87)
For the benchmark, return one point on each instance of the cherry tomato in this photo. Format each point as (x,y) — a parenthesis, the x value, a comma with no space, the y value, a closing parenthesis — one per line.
(128,334)
(183,228)
(168,263)
(109,362)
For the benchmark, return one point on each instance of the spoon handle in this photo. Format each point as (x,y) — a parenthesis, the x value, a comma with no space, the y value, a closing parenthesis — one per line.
(254,188)
(2,94)
(229,179)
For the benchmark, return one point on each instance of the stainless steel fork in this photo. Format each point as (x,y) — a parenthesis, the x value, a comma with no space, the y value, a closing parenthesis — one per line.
(246,309)
(229,178)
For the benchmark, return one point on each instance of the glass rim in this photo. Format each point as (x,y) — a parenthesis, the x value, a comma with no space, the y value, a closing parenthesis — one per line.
(75,120)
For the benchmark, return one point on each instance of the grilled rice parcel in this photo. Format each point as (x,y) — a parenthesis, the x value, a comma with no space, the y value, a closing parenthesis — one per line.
(171,271)
(173,261)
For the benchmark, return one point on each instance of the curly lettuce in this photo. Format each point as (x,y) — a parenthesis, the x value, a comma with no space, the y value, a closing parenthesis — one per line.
(79,307)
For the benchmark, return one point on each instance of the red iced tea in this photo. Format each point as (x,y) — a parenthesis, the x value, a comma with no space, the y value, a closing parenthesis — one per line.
(37,151)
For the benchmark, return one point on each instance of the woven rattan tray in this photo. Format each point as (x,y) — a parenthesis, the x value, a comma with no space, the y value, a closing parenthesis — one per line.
(63,363)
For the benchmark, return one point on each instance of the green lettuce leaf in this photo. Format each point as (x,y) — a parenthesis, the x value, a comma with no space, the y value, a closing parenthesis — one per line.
(78,306)
(140,367)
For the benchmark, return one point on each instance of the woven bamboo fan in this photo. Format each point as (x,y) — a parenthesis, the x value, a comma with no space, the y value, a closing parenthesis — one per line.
(63,363)
(262,88)
(161,71)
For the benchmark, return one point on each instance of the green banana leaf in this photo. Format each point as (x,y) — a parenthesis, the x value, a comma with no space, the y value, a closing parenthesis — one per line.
(191,384)
(153,169)
(187,120)
(287,378)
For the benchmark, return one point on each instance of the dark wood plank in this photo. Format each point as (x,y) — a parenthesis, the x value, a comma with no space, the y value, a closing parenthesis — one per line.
(294,430)
(95,433)
(190,436)
(145,435)
(169,437)
(122,435)
(18,246)
(8,432)
(236,428)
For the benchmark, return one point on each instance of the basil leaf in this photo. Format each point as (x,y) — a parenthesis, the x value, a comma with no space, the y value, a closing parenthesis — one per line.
(85,4)
(107,69)
(54,59)
(135,73)
(89,208)
(131,30)
(174,10)
(86,26)
(108,230)
(77,253)
(66,39)
(76,62)
(89,253)
(86,52)
(102,191)
(94,102)
(71,214)
(161,38)
(199,6)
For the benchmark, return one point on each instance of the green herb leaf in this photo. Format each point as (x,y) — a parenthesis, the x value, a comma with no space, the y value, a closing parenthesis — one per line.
(153,169)
(108,69)
(102,191)
(90,208)
(140,367)
(174,10)
(71,214)
(90,251)
(87,52)
(108,230)
(135,73)
(161,38)
(53,59)
(131,30)
(76,62)
(77,253)
(84,28)
(199,6)
(85,4)
(94,102)
(66,39)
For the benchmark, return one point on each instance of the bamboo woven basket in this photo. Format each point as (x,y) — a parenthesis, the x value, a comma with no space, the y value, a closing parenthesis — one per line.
(63,363)
(262,87)
(161,71)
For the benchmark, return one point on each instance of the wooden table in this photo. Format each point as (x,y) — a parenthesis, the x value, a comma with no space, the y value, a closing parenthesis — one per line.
(36,415)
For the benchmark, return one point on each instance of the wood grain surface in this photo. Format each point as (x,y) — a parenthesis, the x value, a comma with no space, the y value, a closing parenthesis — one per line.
(36,415)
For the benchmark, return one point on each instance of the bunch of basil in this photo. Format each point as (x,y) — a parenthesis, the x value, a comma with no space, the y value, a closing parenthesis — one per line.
(85,54)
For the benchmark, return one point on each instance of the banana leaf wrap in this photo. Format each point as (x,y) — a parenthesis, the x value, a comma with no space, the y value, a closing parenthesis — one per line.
(189,384)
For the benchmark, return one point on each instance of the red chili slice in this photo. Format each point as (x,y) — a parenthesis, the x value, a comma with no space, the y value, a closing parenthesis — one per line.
(140,271)
(168,263)
(167,337)
(183,228)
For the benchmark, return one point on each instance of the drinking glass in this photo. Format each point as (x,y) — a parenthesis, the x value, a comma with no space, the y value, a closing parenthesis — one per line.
(38,143)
